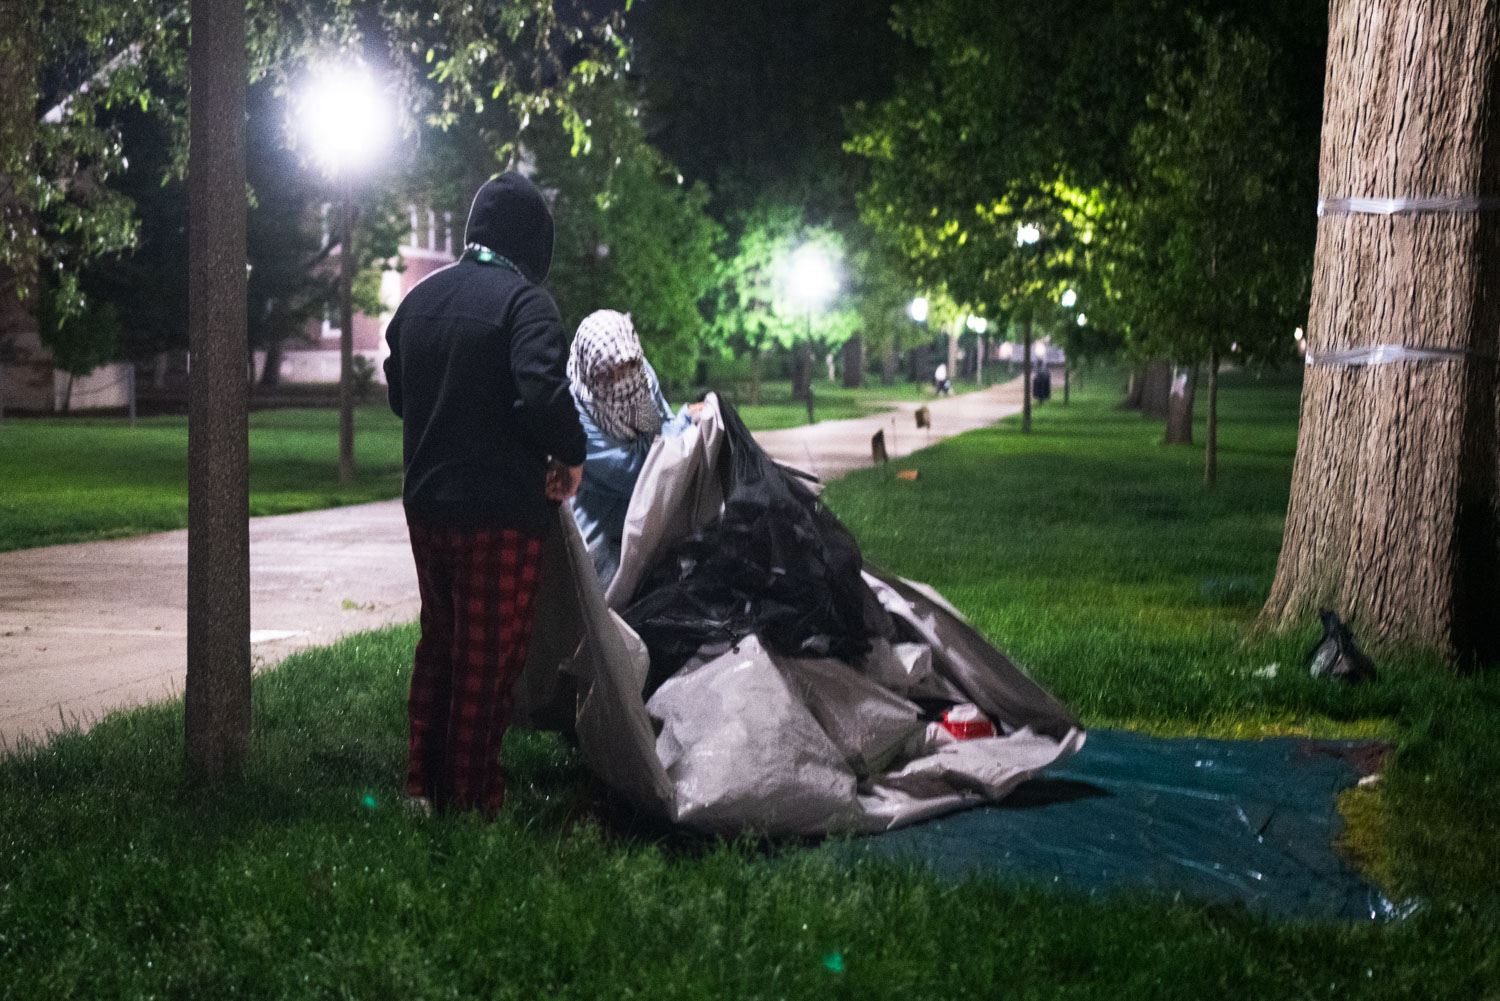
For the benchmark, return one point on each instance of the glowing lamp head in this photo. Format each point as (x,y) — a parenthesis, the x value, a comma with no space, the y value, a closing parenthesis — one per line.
(918,309)
(1027,234)
(978,324)
(1069,299)
(343,119)
(810,279)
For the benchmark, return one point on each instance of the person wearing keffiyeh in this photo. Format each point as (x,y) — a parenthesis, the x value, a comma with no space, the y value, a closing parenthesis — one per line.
(623,411)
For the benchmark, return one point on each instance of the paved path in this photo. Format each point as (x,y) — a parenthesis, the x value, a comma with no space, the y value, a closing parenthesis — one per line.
(95,626)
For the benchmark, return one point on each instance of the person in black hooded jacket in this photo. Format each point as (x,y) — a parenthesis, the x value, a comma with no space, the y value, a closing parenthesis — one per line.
(491,444)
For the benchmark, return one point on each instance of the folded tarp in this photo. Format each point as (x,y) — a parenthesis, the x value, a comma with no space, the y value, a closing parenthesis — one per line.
(746,738)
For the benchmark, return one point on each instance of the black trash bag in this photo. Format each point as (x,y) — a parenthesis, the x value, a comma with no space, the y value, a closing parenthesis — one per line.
(1336,655)
(776,562)
(1041,384)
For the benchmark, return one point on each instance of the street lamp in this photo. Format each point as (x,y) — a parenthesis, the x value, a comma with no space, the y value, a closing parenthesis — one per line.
(979,325)
(345,124)
(812,282)
(918,309)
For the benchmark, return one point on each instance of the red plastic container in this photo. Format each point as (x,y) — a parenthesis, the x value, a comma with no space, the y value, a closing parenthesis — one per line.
(967,723)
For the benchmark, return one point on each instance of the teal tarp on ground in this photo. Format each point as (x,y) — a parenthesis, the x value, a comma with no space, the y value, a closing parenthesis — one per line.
(1217,821)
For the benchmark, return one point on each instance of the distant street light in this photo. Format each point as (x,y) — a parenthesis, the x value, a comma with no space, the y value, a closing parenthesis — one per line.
(918,309)
(345,125)
(1027,234)
(811,281)
(1069,299)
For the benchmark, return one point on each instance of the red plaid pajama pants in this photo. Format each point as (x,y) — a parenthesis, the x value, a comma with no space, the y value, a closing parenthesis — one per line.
(477,587)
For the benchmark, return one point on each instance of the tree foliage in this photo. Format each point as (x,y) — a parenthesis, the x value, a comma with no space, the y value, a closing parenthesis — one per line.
(631,235)
(1022,114)
(1215,248)
(755,305)
(64,66)
(484,68)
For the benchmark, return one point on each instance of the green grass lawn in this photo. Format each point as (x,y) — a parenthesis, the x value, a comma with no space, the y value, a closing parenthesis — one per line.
(831,401)
(81,478)
(1088,551)
(76,479)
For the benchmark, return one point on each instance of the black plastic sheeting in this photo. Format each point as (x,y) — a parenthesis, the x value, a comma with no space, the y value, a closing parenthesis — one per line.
(1216,821)
(776,562)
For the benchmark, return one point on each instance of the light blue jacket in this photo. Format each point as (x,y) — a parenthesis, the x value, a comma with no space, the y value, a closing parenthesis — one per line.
(609,474)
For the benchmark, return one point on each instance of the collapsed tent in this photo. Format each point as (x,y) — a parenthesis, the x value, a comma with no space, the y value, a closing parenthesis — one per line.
(745,670)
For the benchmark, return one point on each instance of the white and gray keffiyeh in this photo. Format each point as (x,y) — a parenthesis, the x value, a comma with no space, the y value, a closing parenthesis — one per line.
(623,408)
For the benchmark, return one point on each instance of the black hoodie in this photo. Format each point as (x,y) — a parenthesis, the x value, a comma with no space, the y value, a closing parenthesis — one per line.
(476,373)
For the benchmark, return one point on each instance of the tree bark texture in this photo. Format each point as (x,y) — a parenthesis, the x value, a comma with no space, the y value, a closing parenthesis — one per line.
(270,374)
(888,365)
(218,672)
(1026,379)
(1156,389)
(1393,514)
(346,334)
(854,363)
(1134,386)
(1181,396)
(802,362)
(1211,453)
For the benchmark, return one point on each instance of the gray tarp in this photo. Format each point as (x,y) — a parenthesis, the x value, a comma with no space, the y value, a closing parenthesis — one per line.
(749,740)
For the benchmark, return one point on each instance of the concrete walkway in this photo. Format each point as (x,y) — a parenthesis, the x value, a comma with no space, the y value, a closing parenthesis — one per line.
(96,626)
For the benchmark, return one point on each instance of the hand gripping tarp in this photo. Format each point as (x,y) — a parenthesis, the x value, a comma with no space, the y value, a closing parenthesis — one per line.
(744,737)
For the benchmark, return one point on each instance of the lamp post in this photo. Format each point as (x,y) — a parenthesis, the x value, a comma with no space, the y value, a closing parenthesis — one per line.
(812,282)
(917,309)
(979,325)
(1069,300)
(345,124)
(1026,236)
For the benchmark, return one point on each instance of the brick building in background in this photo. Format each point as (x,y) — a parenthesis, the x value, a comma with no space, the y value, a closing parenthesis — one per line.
(429,245)
(29,383)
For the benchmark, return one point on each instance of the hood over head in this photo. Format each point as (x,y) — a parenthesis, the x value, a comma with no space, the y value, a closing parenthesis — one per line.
(510,217)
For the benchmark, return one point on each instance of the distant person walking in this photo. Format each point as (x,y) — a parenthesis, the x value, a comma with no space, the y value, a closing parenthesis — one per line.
(940,383)
(491,444)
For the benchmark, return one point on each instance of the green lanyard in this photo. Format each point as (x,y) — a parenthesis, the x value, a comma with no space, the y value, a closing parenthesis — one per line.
(485,255)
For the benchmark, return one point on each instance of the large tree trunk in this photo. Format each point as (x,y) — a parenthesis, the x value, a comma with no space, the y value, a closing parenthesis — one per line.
(1180,398)
(270,375)
(888,365)
(755,359)
(801,371)
(1026,377)
(854,363)
(1211,453)
(1156,390)
(1394,519)
(218,642)
(1134,386)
